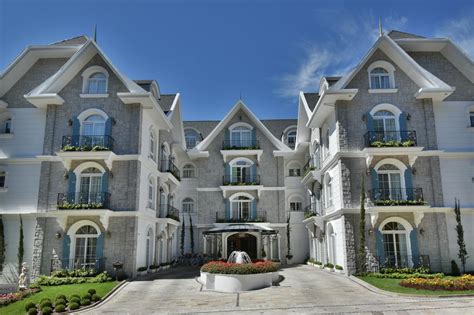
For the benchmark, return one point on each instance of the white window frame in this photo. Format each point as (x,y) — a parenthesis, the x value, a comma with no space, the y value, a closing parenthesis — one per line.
(72,235)
(408,228)
(401,171)
(328,191)
(187,205)
(188,168)
(240,128)
(234,201)
(234,165)
(87,74)
(152,145)
(151,194)
(390,73)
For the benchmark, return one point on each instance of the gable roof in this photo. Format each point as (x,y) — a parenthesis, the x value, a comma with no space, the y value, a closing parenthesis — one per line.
(77,40)
(395,34)
(202,146)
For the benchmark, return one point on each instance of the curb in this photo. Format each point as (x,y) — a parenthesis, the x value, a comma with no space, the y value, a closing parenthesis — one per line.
(105,299)
(374,289)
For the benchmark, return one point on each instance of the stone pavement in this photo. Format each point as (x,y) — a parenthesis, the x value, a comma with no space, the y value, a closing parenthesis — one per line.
(305,290)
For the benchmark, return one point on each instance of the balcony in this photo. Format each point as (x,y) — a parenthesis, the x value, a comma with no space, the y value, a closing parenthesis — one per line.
(247,180)
(240,217)
(397,197)
(83,200)
(87,143)
(93,265)
(313,209)
(390,139)
(240,145)
(311,165)
(403,261)
(167,166)
(169,212)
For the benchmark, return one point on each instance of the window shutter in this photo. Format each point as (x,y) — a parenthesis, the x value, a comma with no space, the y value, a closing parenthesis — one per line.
(71,191)
(227,170)
(403,127)
(409,183)
(99,249)
(253,175)
(108,127)
(254,209)
(374,178)
(370,122)
(379,243)
(227,138)
(105,182)
(76,131)
(254,136)
(227,209)
(415,252)
(66,250)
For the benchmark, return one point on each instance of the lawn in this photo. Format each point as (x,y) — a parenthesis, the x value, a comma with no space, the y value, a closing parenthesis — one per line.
(392,285)
(51,292)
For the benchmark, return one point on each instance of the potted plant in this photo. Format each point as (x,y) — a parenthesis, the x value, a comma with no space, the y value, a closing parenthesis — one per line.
(318,264)
(329,267)
(339,269)
(154,267)
(142,270)
(264,254)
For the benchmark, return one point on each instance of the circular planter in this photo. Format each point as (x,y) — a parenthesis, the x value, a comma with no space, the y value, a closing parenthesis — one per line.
(237,283)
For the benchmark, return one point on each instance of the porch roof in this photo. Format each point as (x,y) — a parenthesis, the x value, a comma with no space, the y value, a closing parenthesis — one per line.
(241,227)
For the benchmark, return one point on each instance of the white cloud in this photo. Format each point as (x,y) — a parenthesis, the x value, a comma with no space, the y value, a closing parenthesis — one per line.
(349,40)
(460,31)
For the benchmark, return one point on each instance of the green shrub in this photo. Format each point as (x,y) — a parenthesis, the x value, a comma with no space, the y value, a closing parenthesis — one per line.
(73,306)
(329,265)
(32,311)
(60,301)
(407,271)
(75,299)
(46,310)
(29,305)
(60,308)
(91,291)
(95,298)
(46,304)
(54,280)
(405,275)
(85,302)
(45,300)
(338,267)
(75,295)
(86,296)
(61,297)
(140,269)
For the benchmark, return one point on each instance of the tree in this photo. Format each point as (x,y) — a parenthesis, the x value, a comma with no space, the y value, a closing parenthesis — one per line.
(2,243)
(21,249)
(462,254)
(191,233)
(183,232)
(288,241)
(362,266)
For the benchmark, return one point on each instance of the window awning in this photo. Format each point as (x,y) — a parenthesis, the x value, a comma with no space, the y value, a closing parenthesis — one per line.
(241,228)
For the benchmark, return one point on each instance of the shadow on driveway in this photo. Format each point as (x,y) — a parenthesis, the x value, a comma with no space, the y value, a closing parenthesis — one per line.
(172,273)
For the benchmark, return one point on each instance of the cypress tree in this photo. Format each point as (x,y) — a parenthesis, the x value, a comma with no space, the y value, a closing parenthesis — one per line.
(362,266)
(191,233)
(183,232)
(21,249)
(462,254)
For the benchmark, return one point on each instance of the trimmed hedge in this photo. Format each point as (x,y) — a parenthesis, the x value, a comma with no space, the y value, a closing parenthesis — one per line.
(240,269)
(55,280)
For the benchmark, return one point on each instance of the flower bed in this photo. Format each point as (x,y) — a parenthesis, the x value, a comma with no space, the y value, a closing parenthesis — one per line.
(240,269)
(437,284)
(6,299)
(397,275)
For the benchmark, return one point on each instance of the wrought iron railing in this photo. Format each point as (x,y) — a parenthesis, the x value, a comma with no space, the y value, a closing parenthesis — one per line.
(312,164)
(236,217)
(167,165)
(396,196)
(241,180)
(240,145)
(168,211)
(313,209)
(94,265)
(83,200)
(402,138)
(403,261)
(87,143)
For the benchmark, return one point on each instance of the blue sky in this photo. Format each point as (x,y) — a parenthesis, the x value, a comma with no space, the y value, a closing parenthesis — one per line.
(214,51)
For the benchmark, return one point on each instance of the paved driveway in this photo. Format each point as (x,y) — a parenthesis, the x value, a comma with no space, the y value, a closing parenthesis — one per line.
(304,290)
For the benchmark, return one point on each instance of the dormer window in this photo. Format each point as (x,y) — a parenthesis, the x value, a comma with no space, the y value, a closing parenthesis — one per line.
(97,84)
(291,138)
(192,138)
(95,81)
(379,79)
(241,137)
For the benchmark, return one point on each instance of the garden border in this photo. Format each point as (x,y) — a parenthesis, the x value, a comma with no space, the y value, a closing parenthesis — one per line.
(108,296)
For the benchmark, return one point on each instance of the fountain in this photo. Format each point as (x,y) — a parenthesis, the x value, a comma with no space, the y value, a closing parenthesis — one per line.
(239,257)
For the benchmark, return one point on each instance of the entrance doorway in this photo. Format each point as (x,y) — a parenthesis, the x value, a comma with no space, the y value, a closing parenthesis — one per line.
(242,242)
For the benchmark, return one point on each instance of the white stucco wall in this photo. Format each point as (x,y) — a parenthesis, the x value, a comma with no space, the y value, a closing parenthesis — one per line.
(452,125)
(467,219)
(457,176)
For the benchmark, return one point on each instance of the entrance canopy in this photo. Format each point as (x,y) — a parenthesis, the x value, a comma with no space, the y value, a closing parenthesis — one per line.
(241,228)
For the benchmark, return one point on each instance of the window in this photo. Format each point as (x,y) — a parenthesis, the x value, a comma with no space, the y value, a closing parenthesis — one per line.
(390,183)
(151,193)
(379,79)
(149,248)
(386,126)
(152,146)
(188,205)
(471,117)
(395,243)
(328,191)
(326,143)
(296,206)
(241,172)
(189,171)
(291,138)
(90,186)
(192,138)
(8,125)
(3,177)
(85,248)
(97,83)
(295,172)
(241,137)
(240,208)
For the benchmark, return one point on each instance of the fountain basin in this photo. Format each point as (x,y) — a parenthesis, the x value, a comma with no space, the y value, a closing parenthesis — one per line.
(233,283)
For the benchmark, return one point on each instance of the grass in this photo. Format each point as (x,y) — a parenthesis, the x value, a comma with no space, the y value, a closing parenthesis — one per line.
(392,285)
(51,292)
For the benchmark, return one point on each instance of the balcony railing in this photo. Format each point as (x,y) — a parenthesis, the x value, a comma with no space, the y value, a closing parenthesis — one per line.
(313,209)
(168,211)
(236,217)
(87,143)
(240,145)
(168,166)
(404,261)
(397,196)
(380,139)
(92,264)
(83,200)
(241,180)
(312,164)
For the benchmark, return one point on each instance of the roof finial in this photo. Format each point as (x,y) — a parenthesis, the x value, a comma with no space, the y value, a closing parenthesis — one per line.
(240,95)
(380,28)
(95,33)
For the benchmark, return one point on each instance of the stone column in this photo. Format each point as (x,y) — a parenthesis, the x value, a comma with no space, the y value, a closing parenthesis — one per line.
(37,248)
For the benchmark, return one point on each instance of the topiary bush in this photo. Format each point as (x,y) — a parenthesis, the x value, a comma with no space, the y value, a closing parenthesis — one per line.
(32,311)
(61,297)
(75,300)
(45,300)
(95,298)
(73,306)
(86,296)
(91,291)
(46,310)
(60,308)
(85,302)
(60,301)
(29,305)
(46,304)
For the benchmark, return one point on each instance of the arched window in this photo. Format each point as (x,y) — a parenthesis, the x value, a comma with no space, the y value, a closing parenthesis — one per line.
(294,169)
(188,205)
(396,243)
(151,193)
(296,203)
(85,240)
(331,244)
(386,126)
(93,125)
(379,79)
(189,171)
(328,191)
(90,186)
(152,145)
(192,138)
(241,171)
(326,142)
(240,208)
(241,136)
(3,179)
(291,138)
(97,83)
(390,181)
(149,248)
